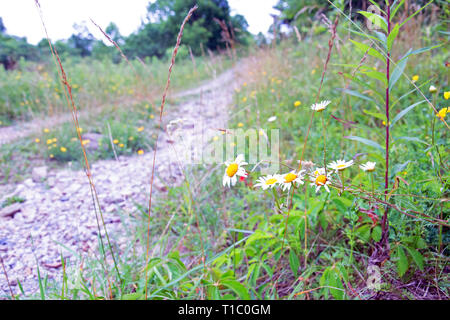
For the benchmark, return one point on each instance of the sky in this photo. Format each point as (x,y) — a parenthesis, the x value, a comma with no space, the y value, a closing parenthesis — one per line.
(21,17)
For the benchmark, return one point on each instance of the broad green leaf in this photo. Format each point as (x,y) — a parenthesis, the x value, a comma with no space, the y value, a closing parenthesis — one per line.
(371,51)
(403,112)
(132,296)
(417,257)
(365,141)
(376,233)
(375,19)
(334,281)
(402,262)
(391,37)
(293,261)
(363,232)
(237,287)
(324,281)
(213,292)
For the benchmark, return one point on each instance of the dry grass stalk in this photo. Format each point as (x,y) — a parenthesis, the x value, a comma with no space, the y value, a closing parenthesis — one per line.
(172,63)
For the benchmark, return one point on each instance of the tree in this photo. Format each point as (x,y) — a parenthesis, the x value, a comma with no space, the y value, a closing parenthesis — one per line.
(82,41)
(164,18)
(2,26)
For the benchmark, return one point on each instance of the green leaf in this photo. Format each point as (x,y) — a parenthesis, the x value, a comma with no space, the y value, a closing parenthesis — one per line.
(377,115)
(375,19)
(237,287)
(368,36)
(132,296)
(394,11)
(417,257)
(415,139)
(424,49)
(334,281)
(391,37)
(402,262)
(293,262)
(363,232)
(402,113)
(365,141)
(371,51)
(376,233)
(376,75)
(357,94)
(398,71)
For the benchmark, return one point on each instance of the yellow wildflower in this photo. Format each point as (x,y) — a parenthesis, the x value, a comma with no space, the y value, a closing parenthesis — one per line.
(442,113)
(446,95)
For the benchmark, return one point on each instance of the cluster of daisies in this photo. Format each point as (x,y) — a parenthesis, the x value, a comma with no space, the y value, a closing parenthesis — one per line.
(320,177)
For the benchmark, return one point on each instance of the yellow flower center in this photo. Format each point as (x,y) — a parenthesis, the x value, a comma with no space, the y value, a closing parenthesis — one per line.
(290,177)
(341,166)
(271,181)
(232,169)
(321,180)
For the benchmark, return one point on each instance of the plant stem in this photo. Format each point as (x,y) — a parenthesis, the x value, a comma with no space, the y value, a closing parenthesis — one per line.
(385,222)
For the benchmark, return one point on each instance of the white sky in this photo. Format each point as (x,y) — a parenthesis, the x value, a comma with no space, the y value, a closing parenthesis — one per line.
(21,17)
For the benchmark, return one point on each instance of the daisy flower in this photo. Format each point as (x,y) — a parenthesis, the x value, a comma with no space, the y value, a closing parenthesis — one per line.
(320,106)
(268,181)
(290,178)
(233,170)
(272,119)
(340,165)
(369,166)
(432,89)
(320,179)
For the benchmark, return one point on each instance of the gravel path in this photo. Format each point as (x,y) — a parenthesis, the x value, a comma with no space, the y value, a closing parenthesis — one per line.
(58,207)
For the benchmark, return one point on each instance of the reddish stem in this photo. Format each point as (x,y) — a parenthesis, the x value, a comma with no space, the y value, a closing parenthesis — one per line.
(385,223)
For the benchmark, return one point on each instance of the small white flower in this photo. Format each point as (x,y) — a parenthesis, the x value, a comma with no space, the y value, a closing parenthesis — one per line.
(432,89)
(320,106)
(233,170)
(320,178)
(272,119)
(340,165)
(268,181)
(369,166)
(288,179)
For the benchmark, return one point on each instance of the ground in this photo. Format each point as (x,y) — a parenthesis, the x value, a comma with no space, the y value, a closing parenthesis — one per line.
(57,217)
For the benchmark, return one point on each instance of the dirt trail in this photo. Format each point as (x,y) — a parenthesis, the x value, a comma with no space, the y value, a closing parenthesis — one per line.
(59,210)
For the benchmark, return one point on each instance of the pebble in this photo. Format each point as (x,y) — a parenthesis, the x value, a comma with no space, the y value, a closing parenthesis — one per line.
(58,206)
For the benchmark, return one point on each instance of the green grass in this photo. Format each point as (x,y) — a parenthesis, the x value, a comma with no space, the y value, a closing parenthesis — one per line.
(239,243)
